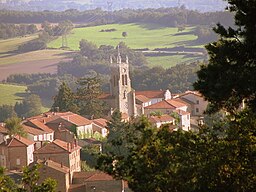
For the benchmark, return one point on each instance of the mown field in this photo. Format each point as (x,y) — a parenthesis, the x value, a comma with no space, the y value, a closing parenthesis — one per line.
(10,94)
(139,36)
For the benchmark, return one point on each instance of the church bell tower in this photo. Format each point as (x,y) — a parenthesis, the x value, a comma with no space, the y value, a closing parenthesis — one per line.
(120,86)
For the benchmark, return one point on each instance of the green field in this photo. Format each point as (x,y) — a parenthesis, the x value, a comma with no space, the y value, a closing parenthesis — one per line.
(139,36)
(10,94)
(170,61)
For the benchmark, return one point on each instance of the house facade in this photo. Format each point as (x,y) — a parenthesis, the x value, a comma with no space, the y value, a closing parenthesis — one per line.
(16,152)
(61,152)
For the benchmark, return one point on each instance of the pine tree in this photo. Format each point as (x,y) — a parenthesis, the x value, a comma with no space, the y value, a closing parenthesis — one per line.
(65,100)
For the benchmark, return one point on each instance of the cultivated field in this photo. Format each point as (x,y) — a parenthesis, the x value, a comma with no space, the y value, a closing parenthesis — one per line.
(10,94)
(43,61)
(139,36)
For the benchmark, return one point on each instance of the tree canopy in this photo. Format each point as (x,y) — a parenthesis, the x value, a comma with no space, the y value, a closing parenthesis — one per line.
(230,75)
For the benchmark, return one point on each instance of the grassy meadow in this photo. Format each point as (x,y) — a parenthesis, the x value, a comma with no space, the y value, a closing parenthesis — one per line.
(139,36)
(10,94)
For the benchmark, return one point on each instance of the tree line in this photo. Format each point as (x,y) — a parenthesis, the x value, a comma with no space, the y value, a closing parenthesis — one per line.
(162,16)
(8,30)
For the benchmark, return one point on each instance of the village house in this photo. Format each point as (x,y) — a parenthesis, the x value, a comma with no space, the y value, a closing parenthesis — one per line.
(3,134)
(54,170)
(73,122)
(41,133)
(16,152)
(196,100)
(61,152)
(161,120)
(99,127)
(97,181)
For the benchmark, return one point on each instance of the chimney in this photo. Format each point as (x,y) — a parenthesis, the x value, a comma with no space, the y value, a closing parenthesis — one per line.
(61,164)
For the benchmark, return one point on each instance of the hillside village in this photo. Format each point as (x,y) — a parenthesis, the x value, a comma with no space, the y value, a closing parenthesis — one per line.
(53,143)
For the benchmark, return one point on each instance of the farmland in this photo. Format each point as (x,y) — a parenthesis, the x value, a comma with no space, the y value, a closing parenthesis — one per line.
(10,94)
(138,36)
(42,61)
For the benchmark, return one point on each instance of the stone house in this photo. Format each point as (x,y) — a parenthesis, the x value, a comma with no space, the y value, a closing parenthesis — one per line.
(99,127)
(54,170)
(61,152)
(197,101)
(16,152)
(96,181)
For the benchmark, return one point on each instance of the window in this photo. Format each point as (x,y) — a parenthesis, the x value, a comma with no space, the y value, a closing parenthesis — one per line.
(125,79)
(124,94)
(197,102)
(197,110)
(18,161)
(122,79)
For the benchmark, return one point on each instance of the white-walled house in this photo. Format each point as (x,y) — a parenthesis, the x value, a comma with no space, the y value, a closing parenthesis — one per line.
(155,96)
(99,126)
(159,121)
(73,122)
(38,131)
(199,104)
(184,119)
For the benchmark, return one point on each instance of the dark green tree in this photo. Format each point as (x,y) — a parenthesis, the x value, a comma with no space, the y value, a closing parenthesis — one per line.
(124,34)
(30,106)
(65,100)
(14,126)
(6,111)
(88,94)
(230,75)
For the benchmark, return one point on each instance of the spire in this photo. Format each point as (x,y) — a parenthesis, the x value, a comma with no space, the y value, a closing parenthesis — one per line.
(119,59)
(127,60)
(111,59)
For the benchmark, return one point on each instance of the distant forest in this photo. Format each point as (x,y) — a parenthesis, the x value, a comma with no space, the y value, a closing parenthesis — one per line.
(162,16)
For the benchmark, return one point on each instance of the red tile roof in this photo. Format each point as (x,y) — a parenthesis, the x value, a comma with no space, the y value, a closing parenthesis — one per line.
(17,141)
(58,146)
(162,118)
(197,93)
(166,104)
(77,119)
(151,94)
(100,122)
(32,130)
(142,98)
(93,176)
(181,112)
(53,165)
(40,125)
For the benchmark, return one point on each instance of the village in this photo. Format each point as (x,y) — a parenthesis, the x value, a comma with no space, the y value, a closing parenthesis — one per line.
(53,143)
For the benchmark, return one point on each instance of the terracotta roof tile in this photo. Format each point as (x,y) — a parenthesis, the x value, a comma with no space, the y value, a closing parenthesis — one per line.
(53,165)
(197,93)
(17,141)
(58,146)
(93,176)
(77,119)
(166,104)
(142,98)
(32,130)
(162,118)
(151,94)
(40,125)
(100,122)
(181,112)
